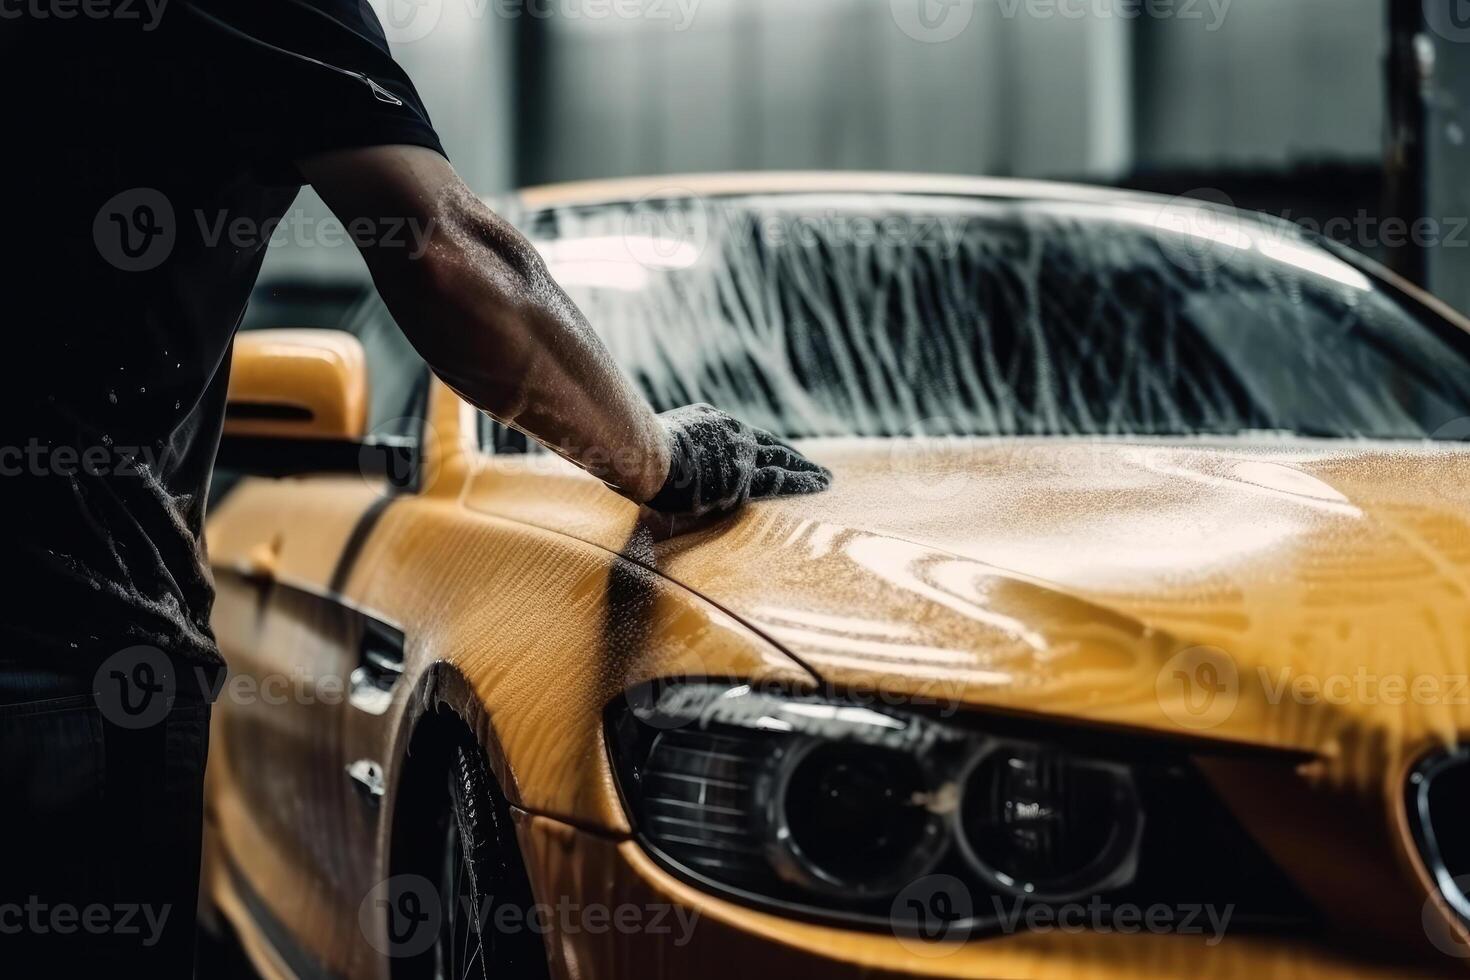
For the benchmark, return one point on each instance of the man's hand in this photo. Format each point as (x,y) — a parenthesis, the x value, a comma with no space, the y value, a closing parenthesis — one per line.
(719,462)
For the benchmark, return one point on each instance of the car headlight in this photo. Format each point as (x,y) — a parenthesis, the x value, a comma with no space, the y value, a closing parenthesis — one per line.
(816,806)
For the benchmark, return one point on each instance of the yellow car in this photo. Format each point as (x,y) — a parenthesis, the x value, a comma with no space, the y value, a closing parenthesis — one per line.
(1131,641)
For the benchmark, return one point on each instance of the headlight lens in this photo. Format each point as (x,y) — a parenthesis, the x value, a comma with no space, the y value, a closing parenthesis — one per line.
(1049,825)
(851,819)
(833,809)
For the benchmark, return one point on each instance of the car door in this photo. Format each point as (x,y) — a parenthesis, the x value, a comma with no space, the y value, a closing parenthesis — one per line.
(295,782)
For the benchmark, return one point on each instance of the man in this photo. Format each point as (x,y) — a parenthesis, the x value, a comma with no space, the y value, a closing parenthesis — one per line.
(125,122)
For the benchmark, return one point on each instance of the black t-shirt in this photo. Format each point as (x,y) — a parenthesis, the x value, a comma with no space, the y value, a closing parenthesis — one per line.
(146,155)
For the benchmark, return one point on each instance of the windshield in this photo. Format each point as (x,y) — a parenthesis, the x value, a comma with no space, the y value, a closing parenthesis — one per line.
(864,315)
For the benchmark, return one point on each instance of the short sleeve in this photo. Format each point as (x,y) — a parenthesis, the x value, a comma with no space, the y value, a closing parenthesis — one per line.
(289,78)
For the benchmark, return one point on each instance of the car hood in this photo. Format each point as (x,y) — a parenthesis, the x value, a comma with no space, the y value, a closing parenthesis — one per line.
(1297,593)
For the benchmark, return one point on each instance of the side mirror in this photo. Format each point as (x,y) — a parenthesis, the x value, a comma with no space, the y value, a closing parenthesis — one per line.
(298,403)
(297,385)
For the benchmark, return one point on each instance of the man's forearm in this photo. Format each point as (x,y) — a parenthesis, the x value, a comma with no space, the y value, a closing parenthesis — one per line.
(481,308)
(497,328)
(570,396)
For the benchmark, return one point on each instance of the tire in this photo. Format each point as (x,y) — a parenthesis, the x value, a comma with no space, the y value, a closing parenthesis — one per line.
(481,872)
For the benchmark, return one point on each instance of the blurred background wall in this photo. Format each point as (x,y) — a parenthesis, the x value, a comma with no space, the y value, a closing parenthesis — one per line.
(834,84)
(1279,105)
(773,84)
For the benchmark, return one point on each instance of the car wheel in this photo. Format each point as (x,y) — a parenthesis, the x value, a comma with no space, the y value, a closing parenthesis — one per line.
(481,873)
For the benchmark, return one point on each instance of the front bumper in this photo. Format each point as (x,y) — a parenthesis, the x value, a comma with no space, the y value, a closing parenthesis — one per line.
(611,912)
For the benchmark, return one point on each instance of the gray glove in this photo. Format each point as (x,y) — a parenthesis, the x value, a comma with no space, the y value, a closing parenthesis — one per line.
(719,462)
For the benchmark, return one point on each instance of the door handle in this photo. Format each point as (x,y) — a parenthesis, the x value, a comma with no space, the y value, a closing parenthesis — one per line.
(366,692)
(370,688)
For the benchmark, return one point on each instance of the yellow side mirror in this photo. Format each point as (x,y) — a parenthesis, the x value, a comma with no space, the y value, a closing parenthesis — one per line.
(298,384)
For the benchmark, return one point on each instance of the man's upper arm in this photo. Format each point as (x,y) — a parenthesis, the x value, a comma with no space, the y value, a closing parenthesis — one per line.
(459,280)
(392,200)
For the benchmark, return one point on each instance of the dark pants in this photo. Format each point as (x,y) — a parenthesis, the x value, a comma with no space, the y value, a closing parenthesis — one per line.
(101,813)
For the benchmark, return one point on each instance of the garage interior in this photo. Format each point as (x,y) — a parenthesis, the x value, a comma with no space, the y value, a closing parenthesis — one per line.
(1309,109)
